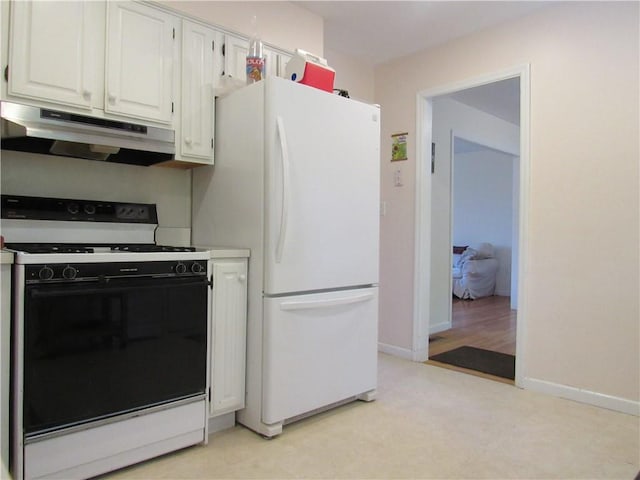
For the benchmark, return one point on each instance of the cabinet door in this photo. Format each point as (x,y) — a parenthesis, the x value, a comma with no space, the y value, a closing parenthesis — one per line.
(140,57)
(229,330)
(270,63)
(235,57)
(276,62)
(283,59)
(55,51)
(198,73)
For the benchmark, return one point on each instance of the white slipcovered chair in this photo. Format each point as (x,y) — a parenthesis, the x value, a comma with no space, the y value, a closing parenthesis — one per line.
(474,271)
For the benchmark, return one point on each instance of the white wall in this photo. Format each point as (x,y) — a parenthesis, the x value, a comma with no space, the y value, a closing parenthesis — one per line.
(482,206)
(53,176)
(580,298)
(352,75)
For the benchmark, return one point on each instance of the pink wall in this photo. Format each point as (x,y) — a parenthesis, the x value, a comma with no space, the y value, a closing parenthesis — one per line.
(582,276)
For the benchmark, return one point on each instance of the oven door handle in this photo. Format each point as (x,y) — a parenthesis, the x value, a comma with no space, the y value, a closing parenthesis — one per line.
(103,287)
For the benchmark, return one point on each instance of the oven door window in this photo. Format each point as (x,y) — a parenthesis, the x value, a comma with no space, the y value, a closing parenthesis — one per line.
(96,350)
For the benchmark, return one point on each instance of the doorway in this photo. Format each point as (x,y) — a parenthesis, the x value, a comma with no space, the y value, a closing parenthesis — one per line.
(433,306)
(480,335)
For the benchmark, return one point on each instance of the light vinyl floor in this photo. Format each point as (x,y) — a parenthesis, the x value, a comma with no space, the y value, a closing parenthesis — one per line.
(427,422)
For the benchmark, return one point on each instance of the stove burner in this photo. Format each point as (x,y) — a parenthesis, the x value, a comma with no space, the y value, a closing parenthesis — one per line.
(79,248)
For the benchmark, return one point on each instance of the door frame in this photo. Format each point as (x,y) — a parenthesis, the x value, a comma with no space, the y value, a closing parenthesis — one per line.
(422,254)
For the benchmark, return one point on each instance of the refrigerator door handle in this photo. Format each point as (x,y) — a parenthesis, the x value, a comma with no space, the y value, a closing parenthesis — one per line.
(286,189)
(332,302)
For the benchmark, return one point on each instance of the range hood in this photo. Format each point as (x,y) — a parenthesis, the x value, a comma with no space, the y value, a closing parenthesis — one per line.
(39,130)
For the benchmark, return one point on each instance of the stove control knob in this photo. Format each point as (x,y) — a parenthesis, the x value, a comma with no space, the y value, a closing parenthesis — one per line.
(45,273)
(69,272)
(196,267)
(181,268)
(73,208)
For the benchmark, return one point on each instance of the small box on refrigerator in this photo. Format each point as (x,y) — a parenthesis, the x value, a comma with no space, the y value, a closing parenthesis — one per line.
(309,69)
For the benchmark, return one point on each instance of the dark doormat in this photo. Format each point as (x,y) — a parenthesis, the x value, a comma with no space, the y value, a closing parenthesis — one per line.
(486,361)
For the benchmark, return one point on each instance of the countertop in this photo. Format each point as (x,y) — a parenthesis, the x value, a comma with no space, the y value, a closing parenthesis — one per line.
(6,258)
(227,252)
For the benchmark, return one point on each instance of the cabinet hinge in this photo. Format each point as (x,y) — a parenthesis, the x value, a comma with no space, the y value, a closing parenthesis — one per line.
(433,158)
(6,73)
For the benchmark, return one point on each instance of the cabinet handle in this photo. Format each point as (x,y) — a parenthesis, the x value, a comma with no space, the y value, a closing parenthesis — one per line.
(112,99)
(187,140)
(86,94)
(242,277)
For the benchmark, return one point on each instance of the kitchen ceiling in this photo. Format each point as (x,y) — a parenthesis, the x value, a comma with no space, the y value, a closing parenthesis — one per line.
(500,99)
(379,31)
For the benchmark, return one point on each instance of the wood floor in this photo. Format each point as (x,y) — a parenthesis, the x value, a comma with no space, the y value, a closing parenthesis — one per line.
(487,323)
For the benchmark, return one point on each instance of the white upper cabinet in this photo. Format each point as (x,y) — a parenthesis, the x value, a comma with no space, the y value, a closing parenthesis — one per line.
(270,63)
(283,59)
(140,59)
(124,59)
(235,54)
(200,65)
(276,62)
(56,51)
(116,57)
(235,57)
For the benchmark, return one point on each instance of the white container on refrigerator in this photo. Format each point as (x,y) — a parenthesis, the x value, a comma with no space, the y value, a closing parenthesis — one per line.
(297,180)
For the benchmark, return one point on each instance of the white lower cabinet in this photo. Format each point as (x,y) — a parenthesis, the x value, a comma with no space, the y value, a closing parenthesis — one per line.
(228,335)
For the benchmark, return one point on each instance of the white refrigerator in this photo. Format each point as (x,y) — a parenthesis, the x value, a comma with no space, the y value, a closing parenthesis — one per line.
(297,180)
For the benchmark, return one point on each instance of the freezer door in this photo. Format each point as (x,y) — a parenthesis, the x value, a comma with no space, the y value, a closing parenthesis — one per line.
(318,349)
(322,188)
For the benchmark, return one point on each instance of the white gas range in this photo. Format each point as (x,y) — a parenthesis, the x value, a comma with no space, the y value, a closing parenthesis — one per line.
(109,337)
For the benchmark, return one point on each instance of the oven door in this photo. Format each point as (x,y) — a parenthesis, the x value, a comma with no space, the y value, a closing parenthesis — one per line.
(94,350)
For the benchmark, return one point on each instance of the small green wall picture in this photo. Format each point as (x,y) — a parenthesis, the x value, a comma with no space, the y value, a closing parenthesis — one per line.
(399,146)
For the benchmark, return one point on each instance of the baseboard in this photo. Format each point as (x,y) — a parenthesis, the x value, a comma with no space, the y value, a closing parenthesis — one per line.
(222,422)
(609,402)
(395,351)
(439,327)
